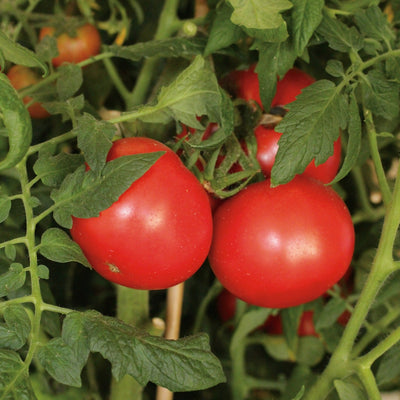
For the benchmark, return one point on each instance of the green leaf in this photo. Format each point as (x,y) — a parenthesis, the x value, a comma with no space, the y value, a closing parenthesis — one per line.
(16,329)
(12,280)
(353,147)
(306,16)
(349,391)
(95,140)
(14,382)
(290,321)
(339,36)
(52,170)
(43,271)
(259,14)
(373,23)
(66,108)
(389,366)
(18,54)
(165,48)
(223,32)
(330,313)
(179,365)
(76,193)
(380,95)
(5,207)
(10,252)
(335,68)
(17,123)
(299,377)
(310,351)
(69,80)
(60,362)
(57,246)
(309,130)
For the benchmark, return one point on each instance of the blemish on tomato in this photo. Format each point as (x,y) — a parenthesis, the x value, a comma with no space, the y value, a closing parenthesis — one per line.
(113,268)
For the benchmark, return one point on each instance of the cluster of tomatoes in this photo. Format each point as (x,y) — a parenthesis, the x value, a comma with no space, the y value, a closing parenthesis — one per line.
(71,49)
(269,246)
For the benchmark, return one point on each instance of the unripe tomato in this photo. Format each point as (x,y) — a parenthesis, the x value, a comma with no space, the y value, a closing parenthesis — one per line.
(267,147)
(85,44)
(21,77)
(245,85)
(158,233)
(283,246)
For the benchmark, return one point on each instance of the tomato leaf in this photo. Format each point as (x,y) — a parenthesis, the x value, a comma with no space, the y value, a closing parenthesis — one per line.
(309,130)
(17,123)
(61,362)
(57,246)
(15,331)
(258,14)
(290,321)
(76,193)
(179,365)
(354,143)
(52,170)
(329,314)
(171,47)
(380,95)
(389,366)
(69,81)
(5,207)
(66,108)
(306,16)
(223,32)
(18,54)
(95,140)
(339,36)
(12,280)
(295,388)
(14,382)
(349,391)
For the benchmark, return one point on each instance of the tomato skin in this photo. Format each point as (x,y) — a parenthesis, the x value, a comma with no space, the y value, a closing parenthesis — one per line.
(21,77)
(284,246)
(267,147)
(245,85)
(159,231)
(86,44)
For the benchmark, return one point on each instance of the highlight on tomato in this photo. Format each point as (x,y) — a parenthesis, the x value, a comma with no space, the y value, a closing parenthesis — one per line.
(74,49)
(158,233)
(21,77)
(267,148)
(281,246)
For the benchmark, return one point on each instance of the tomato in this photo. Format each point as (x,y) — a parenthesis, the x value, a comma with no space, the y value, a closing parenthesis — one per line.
(244,84)
(158,233)
(283,246)
(85,44)
(267,147)
(21,77)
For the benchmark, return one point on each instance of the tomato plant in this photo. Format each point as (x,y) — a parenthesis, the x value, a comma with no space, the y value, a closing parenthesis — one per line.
(283,246)
(164,228)
(22,77)
(73,49)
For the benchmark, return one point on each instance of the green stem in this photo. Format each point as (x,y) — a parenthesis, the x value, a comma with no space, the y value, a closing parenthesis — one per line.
(133,309)
(373,146)
(116,79)
(382,267)
(367,378)
(168,24)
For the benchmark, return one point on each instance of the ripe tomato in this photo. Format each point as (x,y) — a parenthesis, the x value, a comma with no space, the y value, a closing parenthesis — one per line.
(267,147)
(244,84)
(21,77)
(159,231)
(85,44)
(283,246)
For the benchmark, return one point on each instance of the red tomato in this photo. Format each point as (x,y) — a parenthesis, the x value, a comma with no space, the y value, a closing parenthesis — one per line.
(159,231)
(306,327)
(21,77)
(267,147)
(283,246)
(244,84)
(85,44)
